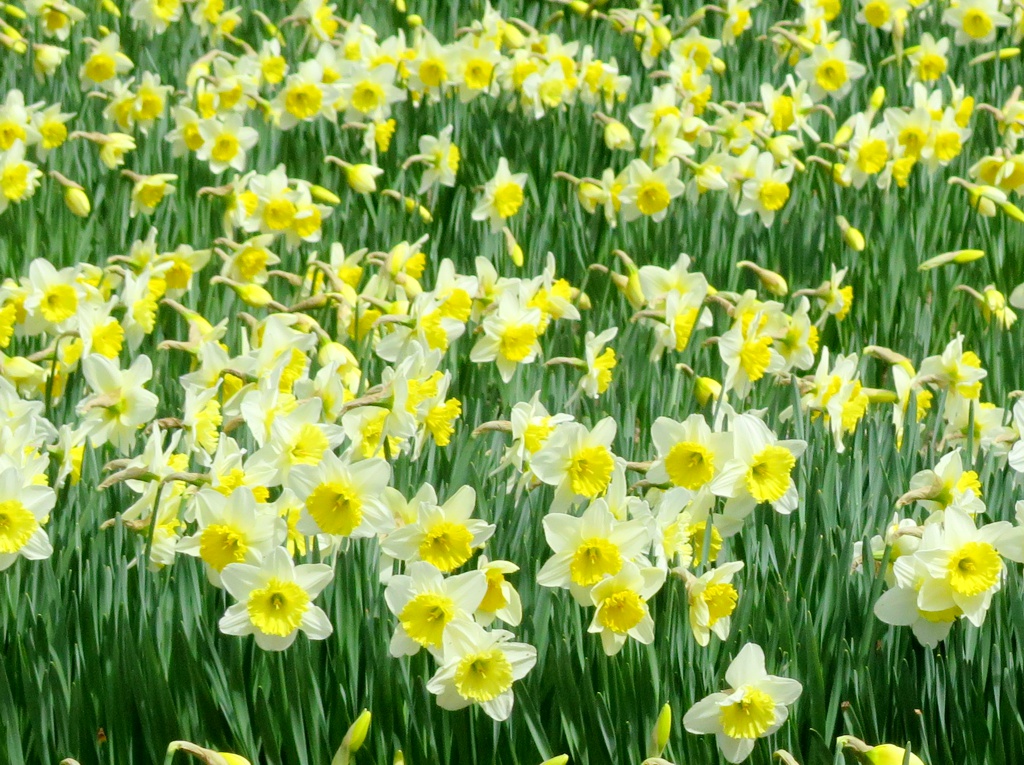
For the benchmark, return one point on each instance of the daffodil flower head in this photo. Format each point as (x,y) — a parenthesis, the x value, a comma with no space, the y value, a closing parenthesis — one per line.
(755,706)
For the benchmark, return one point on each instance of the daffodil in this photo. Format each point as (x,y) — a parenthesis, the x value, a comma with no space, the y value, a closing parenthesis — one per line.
(24,508)
(425,603)
(689,453)
(622,610)
(648,192)
(502,197)
(760,471)
(479,667)
(753,707)
(589,548)
(340,497)
(443,535)
(712,600)
(830,70)
(576,461)
(275,600)
(232,529)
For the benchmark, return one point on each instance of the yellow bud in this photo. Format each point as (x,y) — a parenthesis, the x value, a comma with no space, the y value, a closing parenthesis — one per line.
(356,734)
(661,731)
(14,11)
(706,389)
(843,135)
(559,759)
(579,6)
(884,754)
(254,295)
(617,136)
(663,36)
(718,66)
(771,281)
(837,175)
(984,205)
(362,178)
(1013,211)
(877,98)
(513,36)
(853,237)
(966,256)
(512,247)
(583,302)
(400,6)
(880,395)
(77,201)
(324,195)
(414,20)
(234,759)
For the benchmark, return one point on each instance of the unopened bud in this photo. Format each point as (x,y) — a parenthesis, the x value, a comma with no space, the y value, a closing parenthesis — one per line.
(770,280)
(515,252)
(324,195)
(77,201)
(853,237)
(617,136)
(877,98)
(706,389)
(660,733)
(558,759)
(956,256)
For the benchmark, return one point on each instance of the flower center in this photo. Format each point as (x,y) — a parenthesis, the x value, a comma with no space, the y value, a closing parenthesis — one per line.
(622,611)
(977,23)
(768,477)
(446,545)
(508,198)
(483,676)
(309,446)
(220,545)
(974,568)
(755,355)
(750,717)
(773,195)
(690,464)
(590,470)
(831,75)
(277,608)
(720,598)
(335,507)
(517,341)
(303,101)
(424,617)
(17,525)
(652,197)
(367,96)
(594,559)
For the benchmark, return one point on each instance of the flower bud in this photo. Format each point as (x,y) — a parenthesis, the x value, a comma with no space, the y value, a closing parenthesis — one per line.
(361,178)
(326,196)
(77,201)
(356,734)
(853,237)
(660,732)
(706,389)
(617,136)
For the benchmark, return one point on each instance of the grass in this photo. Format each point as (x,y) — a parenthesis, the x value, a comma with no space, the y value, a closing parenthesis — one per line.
(107,662)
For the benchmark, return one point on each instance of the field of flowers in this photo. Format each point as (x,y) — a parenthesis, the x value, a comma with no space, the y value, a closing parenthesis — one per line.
(542,381)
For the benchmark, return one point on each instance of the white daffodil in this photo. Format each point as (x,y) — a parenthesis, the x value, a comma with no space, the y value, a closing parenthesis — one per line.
(712,598)
(274,600)
(753,707)
(232,529)
(443,535)
(622,611)
(760,471)
(425,603)
(589,548)
(689,453)
(340,497)
(576,461)
(24,508)
(479,667)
